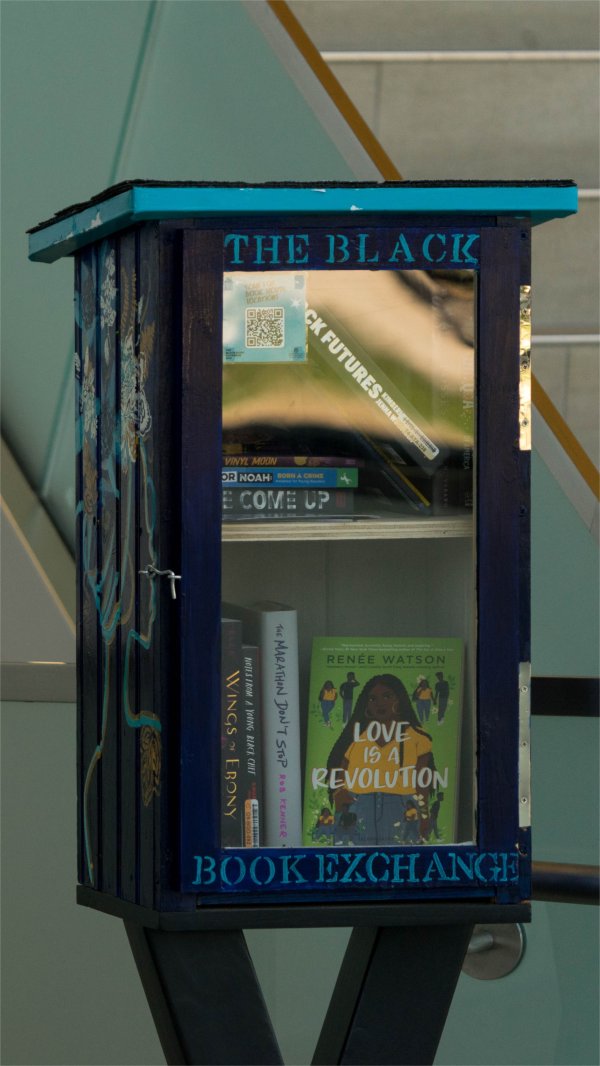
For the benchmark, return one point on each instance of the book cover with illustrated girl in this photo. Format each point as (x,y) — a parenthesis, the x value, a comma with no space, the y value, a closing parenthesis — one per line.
(382,757)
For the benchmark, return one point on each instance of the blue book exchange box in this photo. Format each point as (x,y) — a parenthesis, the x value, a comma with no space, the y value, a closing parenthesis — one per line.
(302,529)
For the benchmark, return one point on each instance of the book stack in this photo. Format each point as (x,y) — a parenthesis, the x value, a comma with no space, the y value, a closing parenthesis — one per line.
(260,727)
(275,487)
(383,736)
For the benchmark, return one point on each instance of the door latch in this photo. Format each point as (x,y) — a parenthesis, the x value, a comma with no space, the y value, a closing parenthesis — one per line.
(152,572)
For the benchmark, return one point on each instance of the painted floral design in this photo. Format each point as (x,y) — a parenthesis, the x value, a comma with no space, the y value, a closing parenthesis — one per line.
(151,757)
(108,435)
(90,485)
(88,300)
(88,397)
(136,419)
(108,293)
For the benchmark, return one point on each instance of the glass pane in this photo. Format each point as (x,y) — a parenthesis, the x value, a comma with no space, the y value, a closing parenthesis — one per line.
(359,381)
(348,441)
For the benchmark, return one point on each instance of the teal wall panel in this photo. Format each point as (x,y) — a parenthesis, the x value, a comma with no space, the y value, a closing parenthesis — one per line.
(565,789)
(218,104)
(564,583)
(543,1014)
(546,1012)
(70,990)
(96,92)
(67,69)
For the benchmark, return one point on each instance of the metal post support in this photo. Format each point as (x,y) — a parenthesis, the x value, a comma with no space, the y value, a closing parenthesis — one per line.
(392,996)
(388,1007)
(204,997)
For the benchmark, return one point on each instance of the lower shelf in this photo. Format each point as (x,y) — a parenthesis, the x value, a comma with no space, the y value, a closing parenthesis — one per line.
(350,529)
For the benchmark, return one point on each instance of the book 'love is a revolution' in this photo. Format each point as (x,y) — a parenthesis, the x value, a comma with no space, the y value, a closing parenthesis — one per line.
(383,740)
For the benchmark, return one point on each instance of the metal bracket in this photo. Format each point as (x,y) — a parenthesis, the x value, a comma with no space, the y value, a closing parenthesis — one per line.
(152,572)
(494,951)
(524,745)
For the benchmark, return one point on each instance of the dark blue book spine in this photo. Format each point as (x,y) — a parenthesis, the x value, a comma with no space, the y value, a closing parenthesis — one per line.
(232,739)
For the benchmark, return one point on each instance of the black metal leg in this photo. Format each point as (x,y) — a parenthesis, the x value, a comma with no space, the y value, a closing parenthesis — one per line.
(388,1008)
(392,996)
(204,996)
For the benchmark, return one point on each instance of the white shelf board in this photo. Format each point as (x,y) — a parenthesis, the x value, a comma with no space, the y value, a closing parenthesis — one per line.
(350,529)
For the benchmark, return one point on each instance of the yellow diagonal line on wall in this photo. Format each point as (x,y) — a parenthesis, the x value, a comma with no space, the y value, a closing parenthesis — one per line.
(389,171)
(553,418)
(332,86)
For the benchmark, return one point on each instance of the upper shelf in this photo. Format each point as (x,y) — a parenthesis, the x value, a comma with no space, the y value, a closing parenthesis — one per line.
(350,529)
(137,201)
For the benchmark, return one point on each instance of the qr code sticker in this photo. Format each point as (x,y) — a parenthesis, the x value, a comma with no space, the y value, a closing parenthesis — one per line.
(264,327)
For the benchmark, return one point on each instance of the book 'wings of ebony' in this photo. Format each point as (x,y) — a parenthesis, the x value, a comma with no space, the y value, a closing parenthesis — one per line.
(384,723)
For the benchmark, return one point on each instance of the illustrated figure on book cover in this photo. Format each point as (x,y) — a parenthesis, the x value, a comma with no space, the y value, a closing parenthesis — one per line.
(347,693)
(379,761)
(423,697)
(327,698)
(441,695)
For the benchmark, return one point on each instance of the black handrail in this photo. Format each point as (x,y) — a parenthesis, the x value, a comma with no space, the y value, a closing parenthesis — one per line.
(577,697)
(560,882)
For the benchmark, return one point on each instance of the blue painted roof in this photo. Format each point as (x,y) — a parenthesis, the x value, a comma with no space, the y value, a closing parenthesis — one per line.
(132,202)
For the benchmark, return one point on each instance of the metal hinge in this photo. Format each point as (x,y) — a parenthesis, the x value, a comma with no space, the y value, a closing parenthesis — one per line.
(524,745)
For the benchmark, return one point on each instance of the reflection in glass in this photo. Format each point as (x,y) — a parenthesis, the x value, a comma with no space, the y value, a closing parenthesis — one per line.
(525,369)
(365,377)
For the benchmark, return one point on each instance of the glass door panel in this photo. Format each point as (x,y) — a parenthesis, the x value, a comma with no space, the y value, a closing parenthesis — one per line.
(348,457)
(359,381)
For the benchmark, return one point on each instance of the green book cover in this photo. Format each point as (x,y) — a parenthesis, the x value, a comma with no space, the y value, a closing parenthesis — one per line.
(382,755)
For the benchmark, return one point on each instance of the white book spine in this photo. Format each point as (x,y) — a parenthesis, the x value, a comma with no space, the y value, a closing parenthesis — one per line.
(281,716)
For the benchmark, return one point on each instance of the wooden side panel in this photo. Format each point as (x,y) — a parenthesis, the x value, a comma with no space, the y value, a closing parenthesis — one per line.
(89,505)
(152,591)
(166,460)
(128,570)
(498,535)
(108,544)
(201,537)
(120,471)
(79,525)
